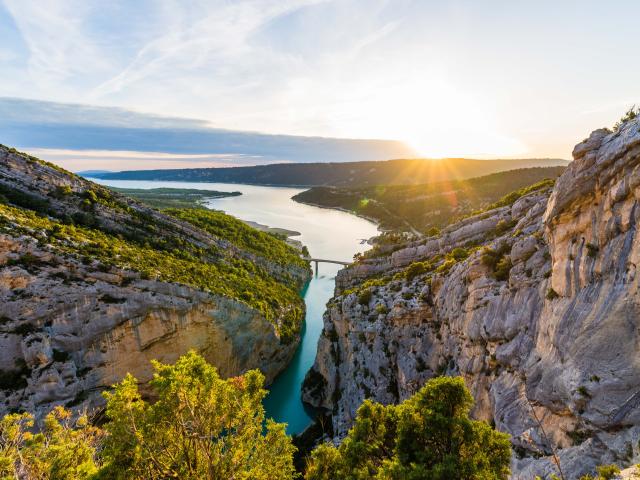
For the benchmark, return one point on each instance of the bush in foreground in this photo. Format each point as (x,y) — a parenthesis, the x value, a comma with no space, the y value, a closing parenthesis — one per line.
(204,427)
(201,427)
(429,436)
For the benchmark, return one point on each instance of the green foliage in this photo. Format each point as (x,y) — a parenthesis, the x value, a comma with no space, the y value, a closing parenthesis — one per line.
(429,207)
(604,472)
(200,427)
(417,268)
(429,436)
(630,114)
(458,254)
(504,226)
(552,294)
(607,472)
(62,191)
(511,197)
(582,390)
(446,266)
(163,198)
(23,199)
(382,309)
(276,298)
(498,261)
(64,450)
(503,267)
(592,250)
(365,297)
(241,235)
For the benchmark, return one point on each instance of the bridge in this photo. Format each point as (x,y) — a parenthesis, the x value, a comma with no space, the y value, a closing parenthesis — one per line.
(324,260)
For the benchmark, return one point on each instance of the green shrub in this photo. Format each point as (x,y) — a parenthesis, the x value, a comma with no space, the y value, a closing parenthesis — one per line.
(433,232)
(446,266)
(592,250)
(62,191)
(607,472)
(503,267)
(503,226)
(458,254)
(497,261)
(552,294)
(365,297)
(417,268)
(382,309)
(90,196)
(630,114)
(427,436)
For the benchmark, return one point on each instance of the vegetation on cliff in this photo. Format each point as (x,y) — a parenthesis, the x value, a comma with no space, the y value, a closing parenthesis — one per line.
(425,208)
(236,278)
(203,249)
(203,427)
(429,436)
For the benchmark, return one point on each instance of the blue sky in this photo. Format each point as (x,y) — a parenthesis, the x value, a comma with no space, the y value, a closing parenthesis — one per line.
(449,78)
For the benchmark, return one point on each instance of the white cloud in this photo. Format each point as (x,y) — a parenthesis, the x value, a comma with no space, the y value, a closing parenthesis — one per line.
(372,68)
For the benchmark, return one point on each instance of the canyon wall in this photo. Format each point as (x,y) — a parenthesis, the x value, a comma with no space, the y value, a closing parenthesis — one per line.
(535,304)
(77,313)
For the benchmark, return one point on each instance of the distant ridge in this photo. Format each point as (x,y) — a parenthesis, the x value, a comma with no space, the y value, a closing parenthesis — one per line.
(90,173)
(347,174)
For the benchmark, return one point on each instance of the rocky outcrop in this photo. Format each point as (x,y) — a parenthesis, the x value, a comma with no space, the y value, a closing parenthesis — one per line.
(537,308)
(69,330)
(72,325)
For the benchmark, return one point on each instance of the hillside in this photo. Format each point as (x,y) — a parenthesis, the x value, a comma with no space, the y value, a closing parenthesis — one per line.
(418,208)
(162,198)
(358,174)
(535,303)
(94,284)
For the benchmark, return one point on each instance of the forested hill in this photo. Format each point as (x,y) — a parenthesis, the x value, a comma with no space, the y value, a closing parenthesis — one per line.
(423,207)
(356,174)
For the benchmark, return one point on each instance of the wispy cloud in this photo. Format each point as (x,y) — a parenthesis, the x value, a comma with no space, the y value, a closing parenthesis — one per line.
(76,160)
(407,69)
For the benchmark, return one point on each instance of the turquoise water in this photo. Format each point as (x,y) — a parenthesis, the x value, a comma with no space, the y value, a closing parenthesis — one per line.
(327,234)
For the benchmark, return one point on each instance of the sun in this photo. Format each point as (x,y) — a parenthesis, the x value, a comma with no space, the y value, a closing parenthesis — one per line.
(435,119)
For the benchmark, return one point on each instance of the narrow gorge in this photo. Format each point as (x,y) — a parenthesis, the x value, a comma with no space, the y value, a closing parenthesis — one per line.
(535,304)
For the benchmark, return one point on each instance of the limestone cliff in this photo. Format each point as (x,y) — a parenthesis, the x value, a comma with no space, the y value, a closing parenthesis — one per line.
(78,310)
(535,304)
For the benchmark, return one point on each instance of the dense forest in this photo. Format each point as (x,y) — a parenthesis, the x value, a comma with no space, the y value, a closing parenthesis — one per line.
(349,174)
(419,208)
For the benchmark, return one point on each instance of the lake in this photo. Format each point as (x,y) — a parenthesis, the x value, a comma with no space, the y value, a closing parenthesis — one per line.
(329,234)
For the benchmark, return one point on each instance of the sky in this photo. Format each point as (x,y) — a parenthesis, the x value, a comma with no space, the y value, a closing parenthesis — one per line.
(488,79)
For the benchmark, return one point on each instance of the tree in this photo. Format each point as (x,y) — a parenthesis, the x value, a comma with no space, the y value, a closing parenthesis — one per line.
(200,427)
(429,436)
(65,449)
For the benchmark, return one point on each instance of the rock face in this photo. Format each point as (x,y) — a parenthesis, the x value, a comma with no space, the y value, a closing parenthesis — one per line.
(550,349)
(71,326)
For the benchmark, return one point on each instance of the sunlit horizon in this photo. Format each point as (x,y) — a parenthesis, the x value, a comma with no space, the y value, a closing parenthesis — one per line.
(449,79)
